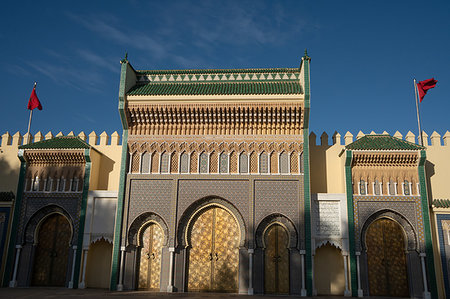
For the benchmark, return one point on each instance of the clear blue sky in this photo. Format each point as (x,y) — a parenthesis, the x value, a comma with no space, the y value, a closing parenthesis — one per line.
(365,55)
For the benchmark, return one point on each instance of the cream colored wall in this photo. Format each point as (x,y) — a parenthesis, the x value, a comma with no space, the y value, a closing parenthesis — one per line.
(9,162)
(327,167)
(105,160)
(98,264)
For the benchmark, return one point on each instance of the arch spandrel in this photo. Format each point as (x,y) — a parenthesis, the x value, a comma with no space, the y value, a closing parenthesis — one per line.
(408,229)
(279,219)
(141,222)
(31,227)
(197,207)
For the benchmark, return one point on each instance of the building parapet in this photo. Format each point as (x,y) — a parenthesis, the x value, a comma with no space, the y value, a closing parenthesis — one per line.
(93,139)
(433,140)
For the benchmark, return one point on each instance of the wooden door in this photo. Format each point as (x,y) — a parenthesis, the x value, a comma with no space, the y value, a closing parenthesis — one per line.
(214,256)
(52,252)
(386,259)
(150,258)
(276,261)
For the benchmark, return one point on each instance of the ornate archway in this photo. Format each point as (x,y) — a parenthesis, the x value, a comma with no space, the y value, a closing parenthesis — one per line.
(386,242)
(276,234)
(149,234)
(212,230)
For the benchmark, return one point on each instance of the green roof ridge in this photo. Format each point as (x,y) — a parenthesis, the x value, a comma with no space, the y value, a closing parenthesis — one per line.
(441,203)
(62,142)
(382,142)
(219,71)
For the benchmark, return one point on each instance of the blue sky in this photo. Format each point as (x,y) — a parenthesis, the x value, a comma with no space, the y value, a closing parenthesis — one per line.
(365,55)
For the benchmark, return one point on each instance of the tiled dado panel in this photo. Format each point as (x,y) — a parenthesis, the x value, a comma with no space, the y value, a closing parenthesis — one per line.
(150,196)
(279,196)
(234,191)
(409,208)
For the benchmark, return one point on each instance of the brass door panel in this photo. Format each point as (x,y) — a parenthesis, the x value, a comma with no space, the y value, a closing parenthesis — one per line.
(150,258)
(276,261)
(386,259)
(52,252)
(214,256)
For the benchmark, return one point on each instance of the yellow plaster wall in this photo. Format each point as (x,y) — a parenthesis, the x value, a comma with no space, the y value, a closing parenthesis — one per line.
(9,164)
(438,171)
(329,278)
(327,167)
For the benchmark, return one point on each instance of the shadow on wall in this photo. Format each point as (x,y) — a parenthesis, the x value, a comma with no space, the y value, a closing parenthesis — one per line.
(429,172)
(318,163)
(106,166)
(8,175)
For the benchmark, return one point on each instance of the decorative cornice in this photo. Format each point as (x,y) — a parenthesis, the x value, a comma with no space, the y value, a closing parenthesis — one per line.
(368,159)
(59,157)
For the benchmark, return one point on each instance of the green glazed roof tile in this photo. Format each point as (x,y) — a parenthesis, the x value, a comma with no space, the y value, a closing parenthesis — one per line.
(218,71)
(441,203)
(63,142)
(382,142)
(217,88)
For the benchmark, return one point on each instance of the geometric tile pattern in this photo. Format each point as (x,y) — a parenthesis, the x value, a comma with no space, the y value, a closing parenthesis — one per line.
(150,196)
(279,196)
(234,191)
(33,202)
(407,206)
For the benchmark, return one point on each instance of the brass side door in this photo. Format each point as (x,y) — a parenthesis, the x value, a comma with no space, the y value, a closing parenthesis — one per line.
(386,259)
(276,261)
(52,252)
(214,256)
(150,258)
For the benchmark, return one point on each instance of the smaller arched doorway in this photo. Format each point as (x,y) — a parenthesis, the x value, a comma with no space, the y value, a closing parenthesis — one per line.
(386,259)
(150,245)
(329,272)
(276,260)
(52,251)
(99,264)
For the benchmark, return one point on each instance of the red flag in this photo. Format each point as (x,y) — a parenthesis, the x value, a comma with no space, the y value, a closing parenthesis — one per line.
(33,102)
(423,87)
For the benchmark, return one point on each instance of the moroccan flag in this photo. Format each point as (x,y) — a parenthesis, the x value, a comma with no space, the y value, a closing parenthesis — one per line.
(33,102)
(423,87)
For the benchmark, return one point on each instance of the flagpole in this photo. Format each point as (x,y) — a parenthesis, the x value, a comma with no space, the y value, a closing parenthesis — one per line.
(418,114)
(29,121)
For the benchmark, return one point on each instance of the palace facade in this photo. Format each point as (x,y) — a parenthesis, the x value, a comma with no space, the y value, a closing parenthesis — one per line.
(217,184)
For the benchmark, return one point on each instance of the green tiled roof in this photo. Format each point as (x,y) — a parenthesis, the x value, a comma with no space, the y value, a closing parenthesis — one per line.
(63,142)
(217,88)
(441,203)
(382,142)
(218,71)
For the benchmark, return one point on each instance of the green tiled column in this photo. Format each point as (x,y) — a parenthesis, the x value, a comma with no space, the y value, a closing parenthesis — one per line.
(427,226)
(15,221)
(87,175)
(351,222)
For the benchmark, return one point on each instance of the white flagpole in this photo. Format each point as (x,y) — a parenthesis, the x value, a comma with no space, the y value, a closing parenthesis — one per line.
(29,121)
(418,115)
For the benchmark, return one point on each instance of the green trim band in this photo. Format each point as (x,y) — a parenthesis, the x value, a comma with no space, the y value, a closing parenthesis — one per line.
(307,213)
(351,224)
(123,172)
(427,226)
(87,176)
(15,222)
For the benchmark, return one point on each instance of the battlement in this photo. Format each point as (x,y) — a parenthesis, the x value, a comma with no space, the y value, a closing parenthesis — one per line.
(6,140)
(433,140)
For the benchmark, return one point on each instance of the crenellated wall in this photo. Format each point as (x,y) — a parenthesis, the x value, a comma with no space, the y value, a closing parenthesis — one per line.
(109,146)
(327,166)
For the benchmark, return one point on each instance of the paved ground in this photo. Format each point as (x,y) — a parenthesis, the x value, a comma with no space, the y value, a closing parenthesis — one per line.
(37,293)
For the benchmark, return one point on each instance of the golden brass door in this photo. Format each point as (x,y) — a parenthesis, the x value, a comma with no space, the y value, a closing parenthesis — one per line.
(150,258)
(52,252)
(276,261)
(386,259)
(214,256)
